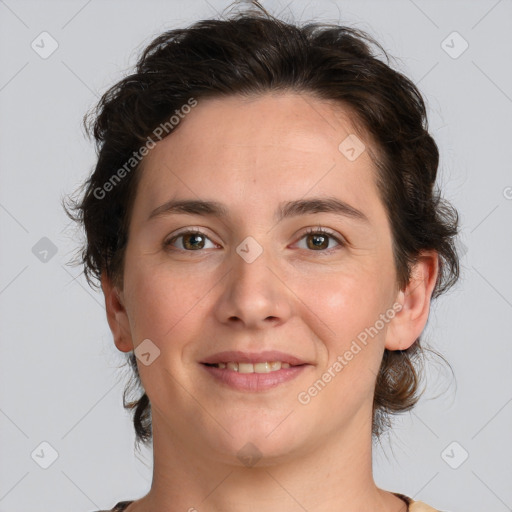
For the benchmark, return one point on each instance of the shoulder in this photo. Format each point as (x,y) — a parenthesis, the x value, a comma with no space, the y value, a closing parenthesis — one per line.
(416,506)
(419,506)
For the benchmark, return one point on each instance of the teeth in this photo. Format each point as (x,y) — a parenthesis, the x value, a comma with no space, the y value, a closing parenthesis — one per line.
(266,367)
(245,368)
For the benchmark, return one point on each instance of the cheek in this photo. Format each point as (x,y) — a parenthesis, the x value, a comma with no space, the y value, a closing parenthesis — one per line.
(347,303)
(353,348)
(350,304)
(163,301)
(166,307)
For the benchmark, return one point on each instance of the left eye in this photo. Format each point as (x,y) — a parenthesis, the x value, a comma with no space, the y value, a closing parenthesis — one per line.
(318,239)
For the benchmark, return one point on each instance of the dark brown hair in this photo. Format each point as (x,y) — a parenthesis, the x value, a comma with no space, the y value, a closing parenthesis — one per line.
(252,53)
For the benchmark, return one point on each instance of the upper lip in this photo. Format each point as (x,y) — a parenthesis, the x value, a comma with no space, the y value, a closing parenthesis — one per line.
(248,357)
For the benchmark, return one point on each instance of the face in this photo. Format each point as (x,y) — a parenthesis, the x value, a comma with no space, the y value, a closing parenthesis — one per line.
(259,274)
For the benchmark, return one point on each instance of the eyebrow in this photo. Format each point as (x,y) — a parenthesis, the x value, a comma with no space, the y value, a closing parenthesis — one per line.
(285,210)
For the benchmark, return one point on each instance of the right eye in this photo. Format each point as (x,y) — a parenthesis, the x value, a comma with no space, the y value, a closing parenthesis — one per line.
(192,240)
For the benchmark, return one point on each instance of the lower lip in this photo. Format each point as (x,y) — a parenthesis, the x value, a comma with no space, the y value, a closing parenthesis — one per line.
(254,381)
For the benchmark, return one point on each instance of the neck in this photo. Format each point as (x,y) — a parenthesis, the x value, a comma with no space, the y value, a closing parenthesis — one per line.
(331,477)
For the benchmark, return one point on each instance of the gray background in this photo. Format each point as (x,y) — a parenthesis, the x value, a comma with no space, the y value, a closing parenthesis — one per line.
(61,375)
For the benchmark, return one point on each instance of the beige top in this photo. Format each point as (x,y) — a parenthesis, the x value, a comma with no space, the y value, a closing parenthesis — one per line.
(413,506)
(419,506)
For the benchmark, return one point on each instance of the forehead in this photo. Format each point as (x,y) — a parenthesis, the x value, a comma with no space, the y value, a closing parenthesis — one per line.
(288,120)
(273,145)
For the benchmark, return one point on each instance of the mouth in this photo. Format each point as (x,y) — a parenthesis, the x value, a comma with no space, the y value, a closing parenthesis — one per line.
(266,367)
(253,372)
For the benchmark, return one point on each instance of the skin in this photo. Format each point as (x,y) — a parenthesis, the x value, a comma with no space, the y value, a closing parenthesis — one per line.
(251,154)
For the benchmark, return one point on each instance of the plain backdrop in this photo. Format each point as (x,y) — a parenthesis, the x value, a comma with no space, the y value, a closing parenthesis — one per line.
(60,373)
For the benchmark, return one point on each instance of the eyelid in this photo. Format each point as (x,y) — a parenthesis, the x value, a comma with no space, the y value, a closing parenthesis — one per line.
(341,240)
(186,231)
(318,229)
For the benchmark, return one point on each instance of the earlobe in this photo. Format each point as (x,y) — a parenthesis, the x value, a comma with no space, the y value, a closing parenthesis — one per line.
(409,322)
(117,316)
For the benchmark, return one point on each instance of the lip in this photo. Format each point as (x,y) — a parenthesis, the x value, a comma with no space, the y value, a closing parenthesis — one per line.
(253,382)
(247,357)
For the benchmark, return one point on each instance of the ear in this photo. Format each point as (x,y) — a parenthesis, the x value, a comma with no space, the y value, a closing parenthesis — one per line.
(116,314)
(410,320)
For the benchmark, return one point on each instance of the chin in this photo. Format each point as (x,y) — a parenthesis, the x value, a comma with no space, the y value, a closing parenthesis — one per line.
(258,444)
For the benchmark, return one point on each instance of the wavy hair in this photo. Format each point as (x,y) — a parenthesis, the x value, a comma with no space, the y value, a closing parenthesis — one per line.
(251,53)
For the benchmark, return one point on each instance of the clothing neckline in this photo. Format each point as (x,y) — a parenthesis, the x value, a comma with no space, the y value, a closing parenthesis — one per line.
(404,498)
(119,507)
(122,505)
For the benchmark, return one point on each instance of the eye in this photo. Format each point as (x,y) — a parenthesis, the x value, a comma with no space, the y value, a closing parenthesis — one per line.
(317,239)
(192,240)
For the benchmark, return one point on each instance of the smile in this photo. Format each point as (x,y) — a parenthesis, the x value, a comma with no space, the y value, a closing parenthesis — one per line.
(265,367)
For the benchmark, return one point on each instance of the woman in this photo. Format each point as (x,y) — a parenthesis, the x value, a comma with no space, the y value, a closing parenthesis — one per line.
(264,223)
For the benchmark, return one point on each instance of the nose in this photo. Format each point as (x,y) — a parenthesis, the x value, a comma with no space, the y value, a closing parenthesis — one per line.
(254,294)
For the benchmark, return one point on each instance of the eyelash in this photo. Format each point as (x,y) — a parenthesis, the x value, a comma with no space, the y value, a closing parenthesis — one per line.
(310,231)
